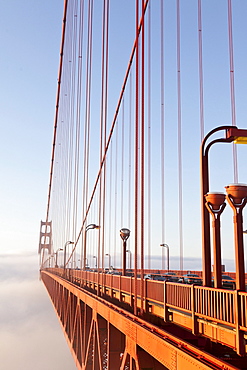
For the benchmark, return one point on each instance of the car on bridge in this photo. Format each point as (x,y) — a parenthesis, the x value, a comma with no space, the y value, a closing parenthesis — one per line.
(168,276)
(159,278)
(190,279)
(227,282)
(153,276)
(171,277)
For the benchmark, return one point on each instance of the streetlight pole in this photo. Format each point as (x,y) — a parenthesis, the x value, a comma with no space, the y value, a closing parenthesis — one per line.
(56,258)
(232,133)
(129,251)
(124,234)
(65,247)
(215,203)
(167,255)
(237,199)
(109,257)
(96,265)
(88,227)
(46,262)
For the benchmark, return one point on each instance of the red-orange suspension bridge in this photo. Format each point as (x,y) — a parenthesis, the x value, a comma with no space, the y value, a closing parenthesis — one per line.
(132,165)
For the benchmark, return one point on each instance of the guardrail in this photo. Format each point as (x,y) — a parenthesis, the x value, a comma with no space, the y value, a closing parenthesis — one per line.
(218,306)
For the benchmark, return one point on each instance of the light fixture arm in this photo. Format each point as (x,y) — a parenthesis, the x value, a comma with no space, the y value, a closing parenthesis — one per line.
(206,245)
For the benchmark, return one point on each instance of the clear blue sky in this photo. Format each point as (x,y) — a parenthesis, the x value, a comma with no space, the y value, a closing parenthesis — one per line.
(217,111)
(29,43)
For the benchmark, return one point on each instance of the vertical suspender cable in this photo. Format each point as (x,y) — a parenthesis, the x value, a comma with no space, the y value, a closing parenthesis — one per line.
(179,140)
(100,220)
(87,118)
(200,68)
(130,161)
(65,115)
(122,177)
(149,137)
(105,101)
(130,147)
(162,128)
(114,122)
(76,108)
(142,221)
(71,179)
(234,148)
(56,116)
(110,202)
(88,204)
(136,155)
(122,172)
(115,192)
(78,113)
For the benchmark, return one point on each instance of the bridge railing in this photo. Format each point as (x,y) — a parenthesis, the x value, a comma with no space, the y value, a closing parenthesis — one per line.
(154,291)
(210,303)
(218,306)
(242,310)
(178,296)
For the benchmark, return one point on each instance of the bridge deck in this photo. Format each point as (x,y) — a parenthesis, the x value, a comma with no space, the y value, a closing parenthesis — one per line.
(164,304)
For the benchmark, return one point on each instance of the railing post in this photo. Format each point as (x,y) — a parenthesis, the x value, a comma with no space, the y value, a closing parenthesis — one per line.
(82,278)
(193,311)
(111,278)
(166,314)
(132,291)
(120,288)
(240,341)
(145,296)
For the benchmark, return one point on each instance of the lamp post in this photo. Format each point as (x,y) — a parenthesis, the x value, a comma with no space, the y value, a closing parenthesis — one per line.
(109,257)
(232,134)
(215,203)
(47,261)
(88,227)
(237,199)
(124,234)
(65,247)
(167,255)
(129,251)
(96,265)
(56,256)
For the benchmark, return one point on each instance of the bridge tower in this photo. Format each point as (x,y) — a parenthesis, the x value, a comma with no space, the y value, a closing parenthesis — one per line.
(45,236)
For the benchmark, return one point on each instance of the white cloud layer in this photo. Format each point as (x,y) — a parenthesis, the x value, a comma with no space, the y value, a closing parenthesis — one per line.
(30,336)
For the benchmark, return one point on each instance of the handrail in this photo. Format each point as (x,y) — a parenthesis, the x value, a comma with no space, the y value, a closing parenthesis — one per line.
(219,306)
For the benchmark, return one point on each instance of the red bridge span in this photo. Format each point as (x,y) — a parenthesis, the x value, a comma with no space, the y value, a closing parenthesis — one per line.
(146,203)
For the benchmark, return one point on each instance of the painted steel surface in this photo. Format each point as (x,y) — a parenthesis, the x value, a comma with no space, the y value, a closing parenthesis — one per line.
(196,308)
(91,323)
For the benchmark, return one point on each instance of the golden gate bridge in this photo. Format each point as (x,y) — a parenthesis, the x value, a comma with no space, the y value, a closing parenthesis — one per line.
(140,182)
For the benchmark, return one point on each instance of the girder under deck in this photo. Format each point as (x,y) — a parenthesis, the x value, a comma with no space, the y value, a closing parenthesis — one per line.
(103,336)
